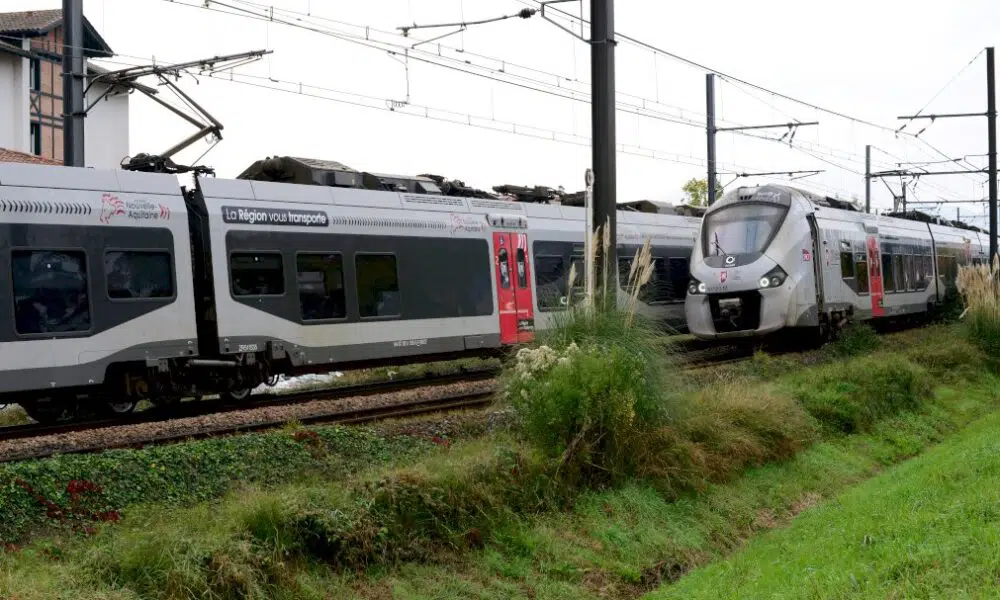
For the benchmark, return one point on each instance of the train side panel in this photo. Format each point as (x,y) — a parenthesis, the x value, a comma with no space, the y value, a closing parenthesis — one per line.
(334,276)
(98,273)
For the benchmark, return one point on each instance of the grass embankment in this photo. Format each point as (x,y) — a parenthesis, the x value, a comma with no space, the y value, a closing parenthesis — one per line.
(928,528)
(72,492)
(511,516)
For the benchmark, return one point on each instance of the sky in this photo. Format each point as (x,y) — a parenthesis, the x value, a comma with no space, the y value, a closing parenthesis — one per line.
(506,102)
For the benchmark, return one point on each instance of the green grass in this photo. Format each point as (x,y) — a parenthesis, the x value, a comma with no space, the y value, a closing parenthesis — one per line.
(482,519)
(929,528)
(36,496)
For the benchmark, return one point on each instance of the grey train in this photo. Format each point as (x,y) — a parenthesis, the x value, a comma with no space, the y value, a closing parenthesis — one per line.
(124,285)
(775,258)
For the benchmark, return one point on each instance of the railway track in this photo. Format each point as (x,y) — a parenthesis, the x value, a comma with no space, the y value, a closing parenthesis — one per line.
(92,432)
(210,407)
(446,402)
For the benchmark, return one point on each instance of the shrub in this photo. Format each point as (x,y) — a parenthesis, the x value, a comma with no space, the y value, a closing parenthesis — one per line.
(851,400)
(587,406)
(980,292)
(856,339)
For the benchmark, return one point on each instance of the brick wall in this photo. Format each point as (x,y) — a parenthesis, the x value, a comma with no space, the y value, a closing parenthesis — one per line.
(47,103)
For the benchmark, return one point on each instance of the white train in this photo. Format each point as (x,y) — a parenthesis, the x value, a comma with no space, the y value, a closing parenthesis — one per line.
(124,286)
(773,258)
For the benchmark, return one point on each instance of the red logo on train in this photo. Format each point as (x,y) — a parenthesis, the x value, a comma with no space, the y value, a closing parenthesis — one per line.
(723,275)
(111,206)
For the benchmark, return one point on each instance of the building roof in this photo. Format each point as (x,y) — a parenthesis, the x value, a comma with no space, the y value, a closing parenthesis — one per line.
(35,23)
(13,156)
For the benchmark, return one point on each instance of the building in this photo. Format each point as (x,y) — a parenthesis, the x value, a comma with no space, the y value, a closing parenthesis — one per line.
(31,101)
(13,156)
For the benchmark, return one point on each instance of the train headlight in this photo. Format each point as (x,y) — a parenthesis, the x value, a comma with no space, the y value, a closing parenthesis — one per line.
(773,278)
(696,287)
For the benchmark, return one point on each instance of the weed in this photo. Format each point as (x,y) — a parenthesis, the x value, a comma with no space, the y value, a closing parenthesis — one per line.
(980,290)
(856,339)
(852,399)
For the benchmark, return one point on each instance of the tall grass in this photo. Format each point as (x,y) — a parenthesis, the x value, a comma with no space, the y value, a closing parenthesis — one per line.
(980,291)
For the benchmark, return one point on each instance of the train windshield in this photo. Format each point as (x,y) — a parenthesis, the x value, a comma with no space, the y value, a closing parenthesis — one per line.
(741,229)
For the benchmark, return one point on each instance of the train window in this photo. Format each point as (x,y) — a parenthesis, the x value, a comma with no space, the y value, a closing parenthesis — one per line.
(861,271)
(680,276)
(50,291)
(888,275)
(138,274)
(503,263)
(624,272)
(378,285)
(522,268)
(911,272)
(847,265)
(579,277)
(899,276)
(550,280)
(320,280)
(928,269)
(257,273)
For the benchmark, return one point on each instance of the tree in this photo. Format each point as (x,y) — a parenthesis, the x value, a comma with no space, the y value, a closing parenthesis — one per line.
(697,191)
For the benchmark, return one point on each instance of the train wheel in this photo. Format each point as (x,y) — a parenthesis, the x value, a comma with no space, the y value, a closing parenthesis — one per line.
(236,395)
(120,408)
(46,411)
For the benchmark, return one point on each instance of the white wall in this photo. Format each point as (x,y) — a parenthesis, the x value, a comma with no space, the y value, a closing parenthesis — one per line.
(15,131)
(106,130)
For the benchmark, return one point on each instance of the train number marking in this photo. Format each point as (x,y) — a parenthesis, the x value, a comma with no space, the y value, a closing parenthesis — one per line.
(248,348)
(409,343)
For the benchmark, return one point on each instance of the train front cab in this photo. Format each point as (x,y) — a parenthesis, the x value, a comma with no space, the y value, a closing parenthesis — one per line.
(752,268)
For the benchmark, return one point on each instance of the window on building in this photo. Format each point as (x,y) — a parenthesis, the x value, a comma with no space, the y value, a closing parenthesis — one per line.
(257,274)
(320,279)
(138,274)
(36,138)
(846,265)
(50,291)
(861,272)
(378,285)
(888,274)
(35,74)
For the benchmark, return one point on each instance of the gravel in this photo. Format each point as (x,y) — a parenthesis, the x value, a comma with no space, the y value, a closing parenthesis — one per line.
(125,435)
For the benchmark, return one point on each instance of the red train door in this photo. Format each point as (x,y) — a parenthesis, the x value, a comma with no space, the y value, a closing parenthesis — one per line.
(513,277)
(522,289)
(875,276)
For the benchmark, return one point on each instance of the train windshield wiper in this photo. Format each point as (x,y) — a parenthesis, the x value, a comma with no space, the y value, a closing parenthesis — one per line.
(718,248)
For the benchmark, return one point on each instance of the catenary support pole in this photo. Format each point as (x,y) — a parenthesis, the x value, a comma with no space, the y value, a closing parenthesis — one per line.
(991,119)
(868,178)
(602,59)
(73,80)
(710,132)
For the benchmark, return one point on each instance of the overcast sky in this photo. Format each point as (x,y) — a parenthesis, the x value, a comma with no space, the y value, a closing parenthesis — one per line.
(872,60)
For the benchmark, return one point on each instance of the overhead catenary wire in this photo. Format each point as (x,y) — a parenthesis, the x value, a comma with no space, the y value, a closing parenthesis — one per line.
(266,12)
(445,115)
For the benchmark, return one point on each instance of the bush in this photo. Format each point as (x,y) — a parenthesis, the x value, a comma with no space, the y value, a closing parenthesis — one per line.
(853,399)
(980,292)
(592,394)
(856,339)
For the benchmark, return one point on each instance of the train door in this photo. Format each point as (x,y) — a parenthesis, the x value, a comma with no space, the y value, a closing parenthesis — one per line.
(513,276)
(875,274)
